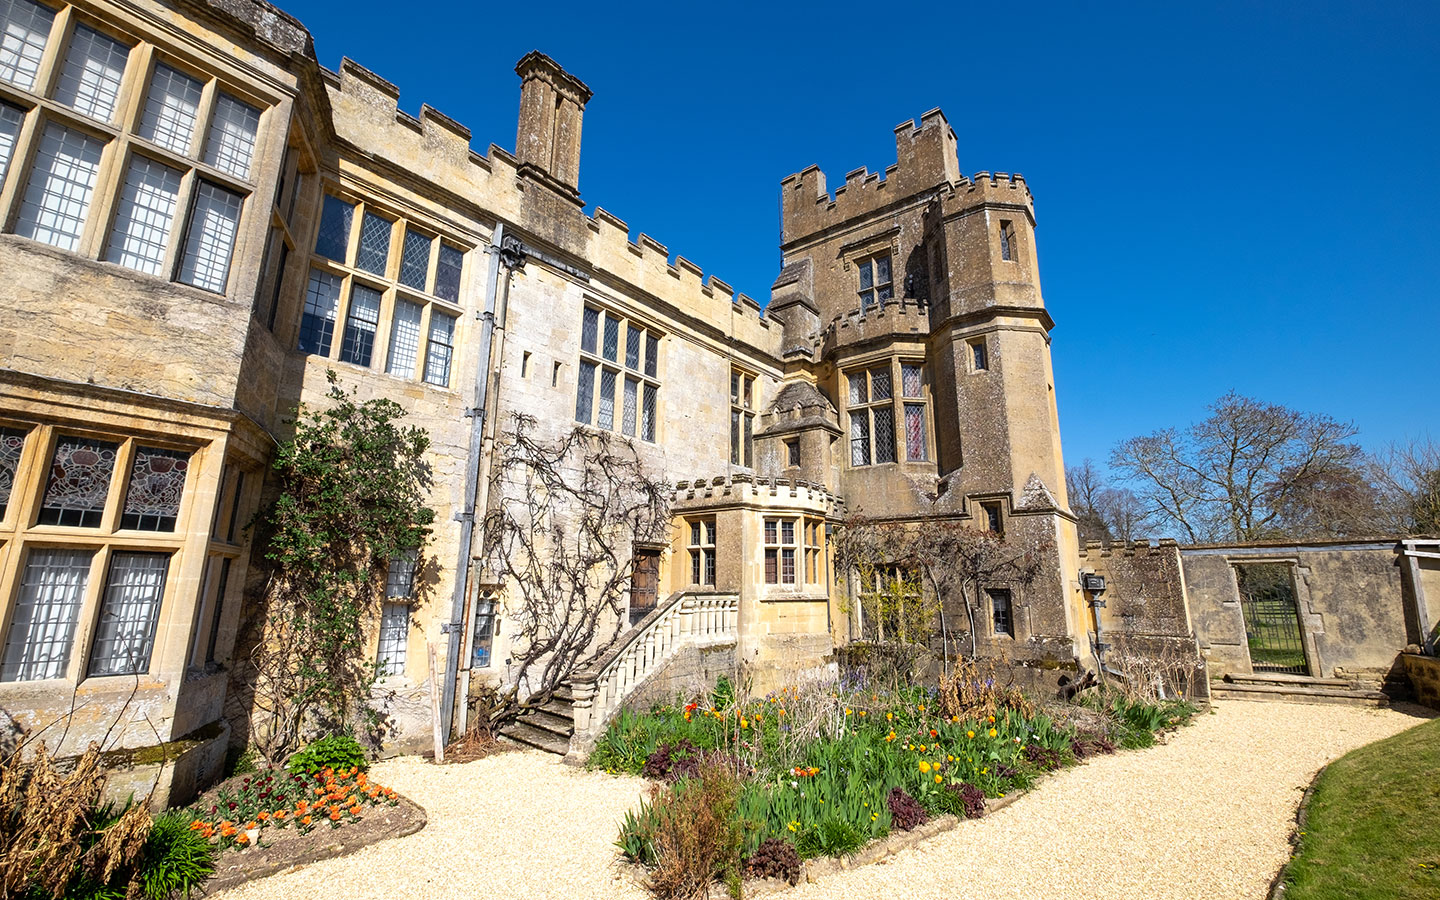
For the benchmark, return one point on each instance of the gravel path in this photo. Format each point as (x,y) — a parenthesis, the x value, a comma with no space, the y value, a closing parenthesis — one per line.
(1207,815)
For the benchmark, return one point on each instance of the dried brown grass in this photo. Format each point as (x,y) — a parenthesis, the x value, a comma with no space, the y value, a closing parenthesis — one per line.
(697,835)
(971,690)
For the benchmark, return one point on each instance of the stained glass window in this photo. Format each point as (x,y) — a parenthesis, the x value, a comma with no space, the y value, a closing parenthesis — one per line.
(12,442)
(157,481)
(79,482)
(910,379)
(129,612)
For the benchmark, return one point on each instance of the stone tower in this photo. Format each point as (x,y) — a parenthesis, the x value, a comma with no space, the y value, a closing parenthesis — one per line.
(911,300)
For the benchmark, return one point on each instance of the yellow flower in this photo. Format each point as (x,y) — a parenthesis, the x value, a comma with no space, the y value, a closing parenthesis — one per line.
(950,759)
(745,723)
(969,734)
(862,713)
(992,732)
(922,748)
(938,779)
(847,711)
(924,767)
(889,716)
(922,707)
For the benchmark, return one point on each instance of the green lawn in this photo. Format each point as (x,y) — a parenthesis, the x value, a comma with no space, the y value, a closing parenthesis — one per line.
(1374,824)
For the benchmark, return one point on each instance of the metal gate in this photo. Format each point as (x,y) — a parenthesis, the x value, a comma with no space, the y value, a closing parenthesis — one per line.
(1272,618)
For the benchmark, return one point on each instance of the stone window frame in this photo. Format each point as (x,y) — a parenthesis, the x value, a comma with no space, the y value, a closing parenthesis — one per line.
(813,540)
(122,143)
(392,290)
(701,535)
(870,262)
(1009,247)
(742,417)
(645,373)
(778,550)
(21,533)
(1010,607)
(978,354)
(898,404)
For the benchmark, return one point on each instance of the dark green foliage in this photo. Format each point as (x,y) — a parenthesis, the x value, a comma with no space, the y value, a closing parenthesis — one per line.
(831,836)
(177,859)
(353,486)
(905,811)
(774,858)
(336,752)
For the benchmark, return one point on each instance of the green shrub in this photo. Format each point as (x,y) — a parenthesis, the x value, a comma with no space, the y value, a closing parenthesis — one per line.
(336,752)
(176,859)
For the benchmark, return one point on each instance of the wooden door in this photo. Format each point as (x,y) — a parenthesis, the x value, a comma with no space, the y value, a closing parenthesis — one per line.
(644,583)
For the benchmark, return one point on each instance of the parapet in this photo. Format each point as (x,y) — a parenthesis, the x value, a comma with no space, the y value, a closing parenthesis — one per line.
(265,22)
(988,189)
(925,160)
(1137,547)
(742,487)
(898,317)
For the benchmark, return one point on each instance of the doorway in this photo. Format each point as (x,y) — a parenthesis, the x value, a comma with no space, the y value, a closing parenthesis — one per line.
(1272,618)
(644,583)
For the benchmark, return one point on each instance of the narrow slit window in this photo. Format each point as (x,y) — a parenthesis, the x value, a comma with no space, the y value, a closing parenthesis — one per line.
(1007,240)
(1002,611)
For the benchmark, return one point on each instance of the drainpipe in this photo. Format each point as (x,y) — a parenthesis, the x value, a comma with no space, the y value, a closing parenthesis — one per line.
(472,477)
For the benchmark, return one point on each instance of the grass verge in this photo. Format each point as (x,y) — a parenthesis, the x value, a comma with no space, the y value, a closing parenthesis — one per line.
(1373,827)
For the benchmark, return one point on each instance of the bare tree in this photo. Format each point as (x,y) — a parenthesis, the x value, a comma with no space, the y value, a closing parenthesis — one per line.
(561,531)
(1232,476)
(1105,513)
(1408,476)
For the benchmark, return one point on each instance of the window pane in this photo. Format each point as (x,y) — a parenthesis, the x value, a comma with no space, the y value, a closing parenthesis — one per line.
(694,534)
(735,387)
(611,346)
(647,414)
(24,28)
(772,567)
(317,324)
(1001,608)
(652,352)
(772,531)
(867,276)
(10,120)
(606,417)
(787,531)
(334,237)
(129,612)
(882,270)
(910,380)
(884,434)
(589,328)
(914,431)
(858,393)
(12,442)
(749,441)
(981,360)
(42,628)
(171,109)
(157,482)
(394,637)
(695,566)
(400,578)
(404,339)
(484,636)
(447,273)
(358,344)
(585,392)
(867,300)
(709,566)
(633,336)
(629,411)
(710,533)
(61,184)
(415,260)
(787,566)
(145,216)
(231,144)
(90,80)
(211,239)
(860,438)
(374,253)
(884,293)
(440,349)
(79,482)
(734,437)
(880,384)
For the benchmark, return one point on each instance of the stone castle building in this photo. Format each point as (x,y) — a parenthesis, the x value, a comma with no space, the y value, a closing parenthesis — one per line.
(199,221)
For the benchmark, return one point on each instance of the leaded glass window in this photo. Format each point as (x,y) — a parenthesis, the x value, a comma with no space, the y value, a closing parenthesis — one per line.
(589,326)
(652,353)
(90,79)
(317,323)
(10,121)
(358,345)
(647,414)
(440,349)
(24,29)
(875,283)
(374,253)
(62,182)
(129,613)
(633,338)
(606,417)
(1002,611)
(415,260)
(213,225)
(231,144)
(333,239)
(157,481)
(585,392)
(404,339)
(12,444)
(145,216)
(612,338)
(611,391)
(873,411)
(628,411)
(400,576)
(42,626)
(910,380)
(79,482)
(915,443)
(447,273)
(171,110)
(394,639)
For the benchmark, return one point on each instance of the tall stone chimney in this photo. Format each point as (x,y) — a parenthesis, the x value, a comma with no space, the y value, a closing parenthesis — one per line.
(552,105)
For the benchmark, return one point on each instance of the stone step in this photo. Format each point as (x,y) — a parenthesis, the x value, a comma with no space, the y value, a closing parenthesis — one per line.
(1287,679)
(1298,694)
(561,723)
(527,735)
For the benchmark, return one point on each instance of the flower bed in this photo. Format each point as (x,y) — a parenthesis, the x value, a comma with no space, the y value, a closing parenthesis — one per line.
(239,813)
(828,769)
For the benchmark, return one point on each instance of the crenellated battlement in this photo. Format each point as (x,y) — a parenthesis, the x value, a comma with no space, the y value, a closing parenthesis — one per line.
(898,317)
(1138,547)
(924,160)
(741,487)
(987,188)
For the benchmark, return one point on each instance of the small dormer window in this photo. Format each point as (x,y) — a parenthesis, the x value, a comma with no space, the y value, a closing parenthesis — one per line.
(875,282)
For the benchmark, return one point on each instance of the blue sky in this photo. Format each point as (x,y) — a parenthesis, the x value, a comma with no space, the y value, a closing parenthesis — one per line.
(1229,195)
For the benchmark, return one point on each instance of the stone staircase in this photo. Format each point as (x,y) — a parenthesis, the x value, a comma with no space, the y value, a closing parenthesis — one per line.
(1275,686)
(547,727)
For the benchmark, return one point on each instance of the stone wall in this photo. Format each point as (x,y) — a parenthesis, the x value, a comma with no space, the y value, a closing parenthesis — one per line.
(690,673)
(1424,674)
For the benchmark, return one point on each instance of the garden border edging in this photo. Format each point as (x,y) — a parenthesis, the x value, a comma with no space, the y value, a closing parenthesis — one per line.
(1279,885)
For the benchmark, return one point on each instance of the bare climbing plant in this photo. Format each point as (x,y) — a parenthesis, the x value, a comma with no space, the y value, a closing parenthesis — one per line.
(564,518)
